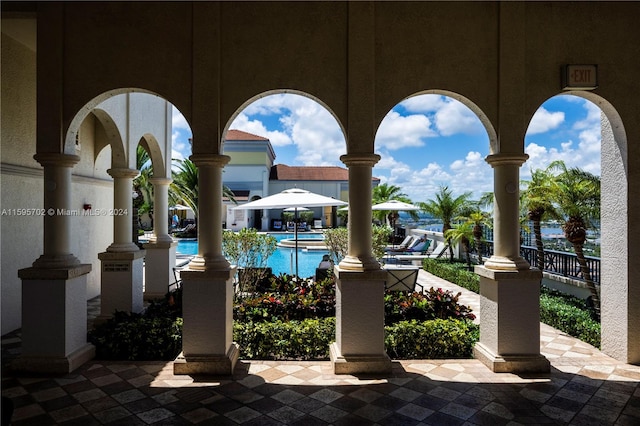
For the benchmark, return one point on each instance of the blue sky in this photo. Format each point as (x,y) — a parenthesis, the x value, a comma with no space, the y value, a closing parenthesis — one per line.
(425,141)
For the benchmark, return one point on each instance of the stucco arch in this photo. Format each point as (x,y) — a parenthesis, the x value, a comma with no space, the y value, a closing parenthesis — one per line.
(151,145)
(484,119)
(111,137)
(74,125)
(282,92)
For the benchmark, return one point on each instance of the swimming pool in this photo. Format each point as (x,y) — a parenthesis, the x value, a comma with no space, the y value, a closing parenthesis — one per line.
(282,260)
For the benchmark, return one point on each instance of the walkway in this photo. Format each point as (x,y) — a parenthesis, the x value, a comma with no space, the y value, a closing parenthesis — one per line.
(584,387)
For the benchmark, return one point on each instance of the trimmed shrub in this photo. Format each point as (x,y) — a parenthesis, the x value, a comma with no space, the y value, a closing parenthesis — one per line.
(570,315)
(431,339)
(153,335)
(308,339)
(453,272)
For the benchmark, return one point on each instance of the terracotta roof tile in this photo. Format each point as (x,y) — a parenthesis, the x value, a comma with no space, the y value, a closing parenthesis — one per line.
(326,173)
(239,135)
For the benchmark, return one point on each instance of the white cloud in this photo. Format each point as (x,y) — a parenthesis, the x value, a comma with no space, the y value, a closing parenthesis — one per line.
(454,117)
(303,124)
(423,103)
(180,146)
(397,131)
(543,121)
(178,121)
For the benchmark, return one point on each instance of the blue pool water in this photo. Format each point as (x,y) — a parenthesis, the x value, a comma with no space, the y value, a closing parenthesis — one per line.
(282,260)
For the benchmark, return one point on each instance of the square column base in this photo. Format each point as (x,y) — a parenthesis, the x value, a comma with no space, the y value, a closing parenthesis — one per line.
(511,363)
(121,283)
(362,364)
(159,263)
(222,365)
(54,320)
(55,365)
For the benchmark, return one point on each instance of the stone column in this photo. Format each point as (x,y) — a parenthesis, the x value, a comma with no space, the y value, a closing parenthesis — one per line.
(54,290)
(359,345)
(57,204)
(123,262)
(506,212)
(123,209)
(207,284)
(161,249)
(509,288)
(360,255)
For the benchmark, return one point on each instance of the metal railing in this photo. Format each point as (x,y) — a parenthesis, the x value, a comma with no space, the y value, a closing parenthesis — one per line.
(555,262)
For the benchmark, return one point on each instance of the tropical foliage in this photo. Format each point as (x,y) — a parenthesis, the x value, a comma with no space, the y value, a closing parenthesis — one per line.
(249,250)
(383,193)
(446,207)
(337,242)
(576,195)
(184,188)
(538,204)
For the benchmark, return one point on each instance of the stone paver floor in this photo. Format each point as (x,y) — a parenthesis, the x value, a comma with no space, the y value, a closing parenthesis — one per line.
(584,387)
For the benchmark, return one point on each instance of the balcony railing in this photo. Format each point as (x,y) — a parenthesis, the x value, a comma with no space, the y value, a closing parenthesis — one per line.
(555,262)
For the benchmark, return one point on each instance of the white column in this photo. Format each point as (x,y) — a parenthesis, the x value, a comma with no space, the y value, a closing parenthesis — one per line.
(207,283)
(506,212)
(210,205)
(123,209)
(161,209)
(57,204)
(509,287)
(161,250)
(54,290)
(360,252)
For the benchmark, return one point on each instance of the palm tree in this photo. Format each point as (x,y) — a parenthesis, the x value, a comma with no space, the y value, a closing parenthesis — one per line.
(385,192)
(537,201)
(446,207)
(461,233)
(577,197)
(143,189)
(184,188)
(478,219)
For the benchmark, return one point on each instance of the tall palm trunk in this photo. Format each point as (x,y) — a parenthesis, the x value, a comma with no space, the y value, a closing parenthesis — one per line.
(576,233)
(536,216)
(586,274)
(477,236)
(467,250)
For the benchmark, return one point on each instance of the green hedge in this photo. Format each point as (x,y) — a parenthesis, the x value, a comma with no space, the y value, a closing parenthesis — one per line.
(431,339)
(453,272)
(304,340)
(138,337)
(565,313)
(310,339)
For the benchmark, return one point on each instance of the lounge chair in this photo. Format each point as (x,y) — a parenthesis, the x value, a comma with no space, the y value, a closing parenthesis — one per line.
(435,254)
(404,244)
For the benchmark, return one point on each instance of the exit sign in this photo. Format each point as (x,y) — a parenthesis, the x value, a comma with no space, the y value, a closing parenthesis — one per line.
(579,77)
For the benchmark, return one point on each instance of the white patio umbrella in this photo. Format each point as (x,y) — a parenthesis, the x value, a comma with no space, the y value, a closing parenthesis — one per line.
(394,205)
(294,198)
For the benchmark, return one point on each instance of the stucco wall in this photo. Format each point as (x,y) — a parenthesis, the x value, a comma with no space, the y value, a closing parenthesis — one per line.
(22,187)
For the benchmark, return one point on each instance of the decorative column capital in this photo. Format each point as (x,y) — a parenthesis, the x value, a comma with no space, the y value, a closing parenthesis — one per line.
(123,173)
(363,159)
(56,159)
(216,160)
(160,180)
(506,159)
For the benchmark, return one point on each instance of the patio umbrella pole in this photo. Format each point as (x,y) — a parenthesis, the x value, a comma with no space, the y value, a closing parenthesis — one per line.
(295,235)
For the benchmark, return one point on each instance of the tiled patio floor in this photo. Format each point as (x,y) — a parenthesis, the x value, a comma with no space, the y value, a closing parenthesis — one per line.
(585,387)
